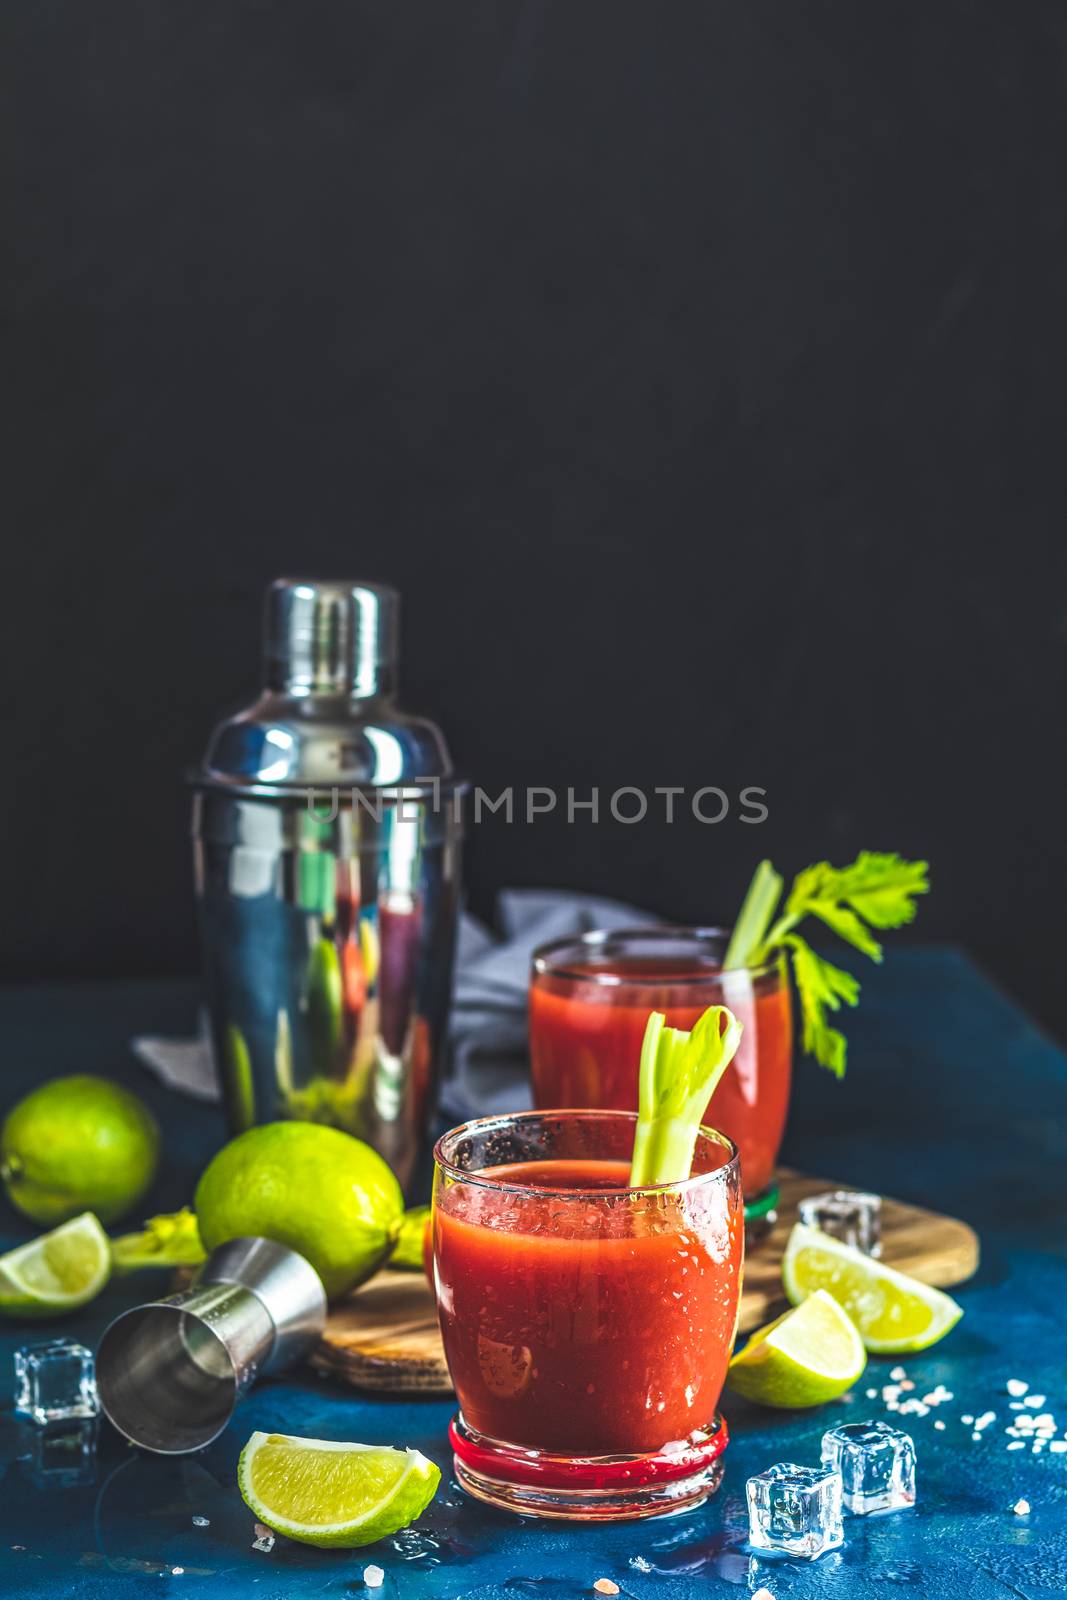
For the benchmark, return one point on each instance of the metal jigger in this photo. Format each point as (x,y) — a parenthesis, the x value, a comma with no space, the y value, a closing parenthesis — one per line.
(170,1373)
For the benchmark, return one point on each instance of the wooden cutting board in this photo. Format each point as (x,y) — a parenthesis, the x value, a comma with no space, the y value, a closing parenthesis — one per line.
(384,1337)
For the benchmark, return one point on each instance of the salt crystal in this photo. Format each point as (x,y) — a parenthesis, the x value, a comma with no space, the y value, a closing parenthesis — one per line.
(201,1522)
(939,1425)
(967,1420)
(374,1577)
(1045,1420)
(1021,1508)
(640,1564)
(1015,1405)
(897,1373)
(976,1437)
(1035,1401)
(264,1539)
(177,1571)
(763,1594)
(1058,1446)
(872,1394)
(1020,1444)
(1037,1447)
(906,1383)
(605,1586)
(984,1420)
(891,1391)
(1016,1387)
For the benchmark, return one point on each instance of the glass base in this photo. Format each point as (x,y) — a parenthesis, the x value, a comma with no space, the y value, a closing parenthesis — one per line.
(761,1214)
(588,1488)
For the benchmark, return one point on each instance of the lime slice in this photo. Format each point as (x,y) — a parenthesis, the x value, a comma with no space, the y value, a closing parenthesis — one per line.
(322,1493)
(58,1272)
(808,1356)
(893,1313)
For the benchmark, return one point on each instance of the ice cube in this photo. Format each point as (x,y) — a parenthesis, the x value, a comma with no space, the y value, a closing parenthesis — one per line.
(876,1463)
(62,1455)
(846,1214)
(796,1510)
(55,1380)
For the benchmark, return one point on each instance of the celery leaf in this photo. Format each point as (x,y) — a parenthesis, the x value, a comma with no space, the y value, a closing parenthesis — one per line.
(821,988)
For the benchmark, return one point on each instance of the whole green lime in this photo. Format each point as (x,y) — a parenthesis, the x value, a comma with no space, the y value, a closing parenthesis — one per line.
(314,1188)
(78,1144)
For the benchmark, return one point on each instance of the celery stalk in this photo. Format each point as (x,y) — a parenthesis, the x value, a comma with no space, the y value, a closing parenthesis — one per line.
(679,1073)
(754,918)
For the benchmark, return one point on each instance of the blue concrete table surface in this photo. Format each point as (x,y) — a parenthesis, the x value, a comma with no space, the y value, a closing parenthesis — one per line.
(953,1099)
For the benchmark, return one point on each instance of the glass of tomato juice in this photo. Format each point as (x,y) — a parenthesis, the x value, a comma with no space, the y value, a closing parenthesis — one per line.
(587,1324)
(590,998)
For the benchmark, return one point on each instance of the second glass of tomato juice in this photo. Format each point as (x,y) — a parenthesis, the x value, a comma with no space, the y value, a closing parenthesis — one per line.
(590,998)
(587,1324)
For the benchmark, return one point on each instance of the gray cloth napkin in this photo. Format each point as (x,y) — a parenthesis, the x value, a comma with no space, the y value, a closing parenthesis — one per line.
(487,1070)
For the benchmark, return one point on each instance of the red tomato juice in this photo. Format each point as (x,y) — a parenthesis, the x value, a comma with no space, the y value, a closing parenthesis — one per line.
(581,1321)
(585,1044)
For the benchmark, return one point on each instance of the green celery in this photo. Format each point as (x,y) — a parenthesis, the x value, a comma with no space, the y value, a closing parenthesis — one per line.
(754,918)
(877,890)
(679,1074)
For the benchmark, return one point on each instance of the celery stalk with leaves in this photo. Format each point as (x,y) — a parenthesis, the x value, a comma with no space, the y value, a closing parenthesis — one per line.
(679,1074)
(875,891)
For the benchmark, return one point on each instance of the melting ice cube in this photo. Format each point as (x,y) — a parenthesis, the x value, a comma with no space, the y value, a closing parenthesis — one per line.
(876,1463)
(55,1380)
(794,1509)
(846,1214)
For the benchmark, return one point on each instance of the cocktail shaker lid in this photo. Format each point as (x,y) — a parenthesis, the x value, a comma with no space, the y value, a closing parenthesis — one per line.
(330,635)
(327,714)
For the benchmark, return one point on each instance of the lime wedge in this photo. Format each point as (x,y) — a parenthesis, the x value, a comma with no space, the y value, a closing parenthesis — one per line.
(322,1493)
(809,1355)
(58,1272)
(893,1313)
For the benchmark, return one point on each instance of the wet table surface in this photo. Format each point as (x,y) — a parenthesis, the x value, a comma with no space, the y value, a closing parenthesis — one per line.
(953,1099)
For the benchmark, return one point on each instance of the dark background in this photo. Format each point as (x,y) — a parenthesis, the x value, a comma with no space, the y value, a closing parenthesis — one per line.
(696,371)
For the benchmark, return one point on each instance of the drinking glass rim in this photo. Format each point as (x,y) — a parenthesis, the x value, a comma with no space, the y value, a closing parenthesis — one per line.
(585,1113)
(595,938)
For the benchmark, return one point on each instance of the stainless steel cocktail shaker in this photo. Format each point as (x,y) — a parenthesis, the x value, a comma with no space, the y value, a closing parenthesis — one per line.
(327,857)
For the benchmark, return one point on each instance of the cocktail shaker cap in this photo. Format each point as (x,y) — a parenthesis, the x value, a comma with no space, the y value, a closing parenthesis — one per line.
(327,715)
(330,635)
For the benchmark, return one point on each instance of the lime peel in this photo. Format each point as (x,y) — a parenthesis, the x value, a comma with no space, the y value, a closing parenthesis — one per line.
(333,1494)
(895,1314)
